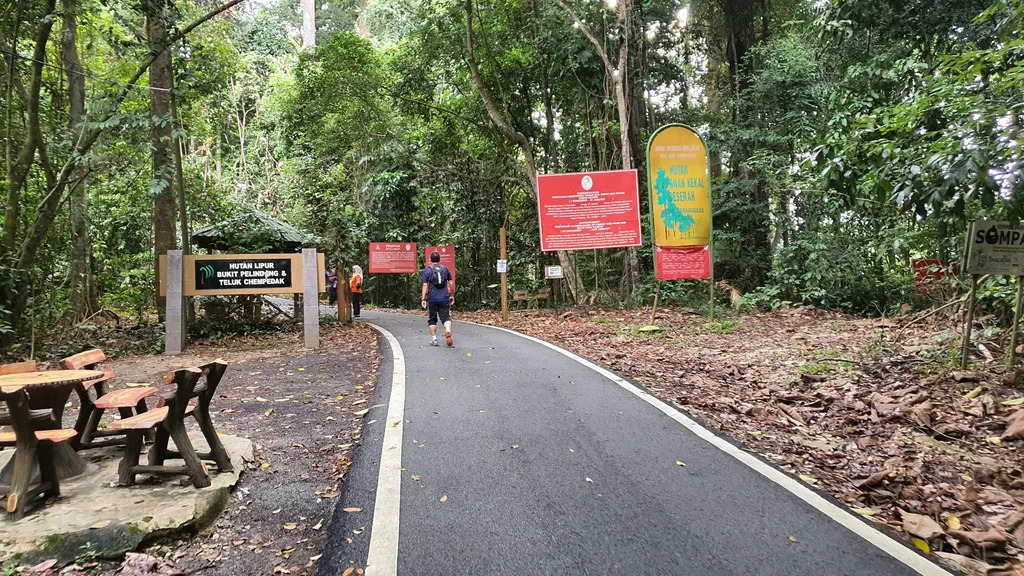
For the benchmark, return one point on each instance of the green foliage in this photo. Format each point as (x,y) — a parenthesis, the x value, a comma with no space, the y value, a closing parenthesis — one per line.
(847,138)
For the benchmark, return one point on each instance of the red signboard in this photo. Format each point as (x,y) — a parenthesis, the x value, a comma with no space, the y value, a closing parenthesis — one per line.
(683,262)
(928,275)
(588,210)
(393,258)
(447,257)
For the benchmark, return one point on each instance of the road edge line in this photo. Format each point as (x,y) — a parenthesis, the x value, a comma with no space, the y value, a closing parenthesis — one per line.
(382,557)
(843,517)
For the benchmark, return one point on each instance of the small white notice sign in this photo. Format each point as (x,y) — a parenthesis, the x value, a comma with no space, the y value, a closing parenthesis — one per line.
(502,266)
(995,248)
(553,272)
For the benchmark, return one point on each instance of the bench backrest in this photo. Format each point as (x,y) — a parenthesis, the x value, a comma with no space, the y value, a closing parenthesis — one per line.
(18,368)
(520,295)
(213,372)
(544,294)
(185,381)
(83,360)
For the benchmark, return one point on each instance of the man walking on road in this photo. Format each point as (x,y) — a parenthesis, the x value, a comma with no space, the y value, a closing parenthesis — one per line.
(438,296)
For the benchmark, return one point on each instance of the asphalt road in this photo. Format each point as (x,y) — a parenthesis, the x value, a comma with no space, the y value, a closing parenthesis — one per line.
(549,467)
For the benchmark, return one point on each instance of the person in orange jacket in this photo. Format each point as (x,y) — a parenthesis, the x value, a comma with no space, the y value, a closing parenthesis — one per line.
(356,284)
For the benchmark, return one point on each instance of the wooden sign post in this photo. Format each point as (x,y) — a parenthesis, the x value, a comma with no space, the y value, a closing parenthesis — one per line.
(504,275)
(237,275)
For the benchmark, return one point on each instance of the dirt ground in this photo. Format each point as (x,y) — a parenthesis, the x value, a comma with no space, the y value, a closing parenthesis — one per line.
(866,409)
(303,411)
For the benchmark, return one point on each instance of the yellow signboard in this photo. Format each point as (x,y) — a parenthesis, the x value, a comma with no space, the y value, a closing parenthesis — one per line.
(677,165)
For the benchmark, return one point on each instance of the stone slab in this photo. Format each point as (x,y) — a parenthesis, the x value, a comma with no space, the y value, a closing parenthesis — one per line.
(94,516)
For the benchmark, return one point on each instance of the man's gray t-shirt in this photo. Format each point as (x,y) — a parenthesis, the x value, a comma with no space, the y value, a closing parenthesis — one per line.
(435,294)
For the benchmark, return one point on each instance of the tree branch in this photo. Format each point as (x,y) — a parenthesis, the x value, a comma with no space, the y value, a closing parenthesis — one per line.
(506,130)
(590,36)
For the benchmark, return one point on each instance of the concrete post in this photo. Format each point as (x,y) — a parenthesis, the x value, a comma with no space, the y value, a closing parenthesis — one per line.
(174,322)
(310,298)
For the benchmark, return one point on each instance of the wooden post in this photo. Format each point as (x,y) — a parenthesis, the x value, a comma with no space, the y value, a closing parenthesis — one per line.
(965,344)
(657,292)
(1012,355)
(344,298)
(711,281)
(504,275)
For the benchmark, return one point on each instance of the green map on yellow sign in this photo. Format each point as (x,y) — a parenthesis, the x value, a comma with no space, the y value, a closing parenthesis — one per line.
(680,187)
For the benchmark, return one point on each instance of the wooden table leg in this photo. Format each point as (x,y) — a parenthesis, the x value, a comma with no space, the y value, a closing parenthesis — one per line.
(67,461)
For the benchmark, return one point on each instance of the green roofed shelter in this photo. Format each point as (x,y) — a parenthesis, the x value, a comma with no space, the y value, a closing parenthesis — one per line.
(255,232)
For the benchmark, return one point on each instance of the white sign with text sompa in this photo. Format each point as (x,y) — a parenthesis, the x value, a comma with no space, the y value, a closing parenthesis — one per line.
(995,248)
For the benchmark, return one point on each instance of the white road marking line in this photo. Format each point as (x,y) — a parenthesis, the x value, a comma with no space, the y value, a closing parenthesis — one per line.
(382,559)
(893,548)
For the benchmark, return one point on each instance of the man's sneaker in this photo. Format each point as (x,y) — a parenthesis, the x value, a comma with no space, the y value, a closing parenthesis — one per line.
(434,342)
(448,338)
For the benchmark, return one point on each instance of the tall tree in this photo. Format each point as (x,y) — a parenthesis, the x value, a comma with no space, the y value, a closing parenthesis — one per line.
(82,293)
(308,24)
(161,82)
(516,137)
(19,169)
(619,77)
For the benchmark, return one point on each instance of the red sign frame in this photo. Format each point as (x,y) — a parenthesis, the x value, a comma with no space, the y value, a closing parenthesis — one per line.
(447,253)
(393,258)
(682,262)
(589,210)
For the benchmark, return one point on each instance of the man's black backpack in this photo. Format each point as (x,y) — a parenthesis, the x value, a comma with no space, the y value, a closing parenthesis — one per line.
(437,276)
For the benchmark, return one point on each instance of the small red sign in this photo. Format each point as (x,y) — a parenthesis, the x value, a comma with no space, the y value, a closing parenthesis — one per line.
(683,262)
(447,257)
(928,275)
(393,258)
(588,210)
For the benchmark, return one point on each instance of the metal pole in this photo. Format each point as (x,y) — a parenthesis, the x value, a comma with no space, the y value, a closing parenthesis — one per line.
(504,275)
(1016,320)
(965,344)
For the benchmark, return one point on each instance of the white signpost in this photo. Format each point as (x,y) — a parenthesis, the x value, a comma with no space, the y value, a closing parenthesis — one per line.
(997,248)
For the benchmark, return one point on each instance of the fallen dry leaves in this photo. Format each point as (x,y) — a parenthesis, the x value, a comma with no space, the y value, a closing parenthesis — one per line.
(860,408)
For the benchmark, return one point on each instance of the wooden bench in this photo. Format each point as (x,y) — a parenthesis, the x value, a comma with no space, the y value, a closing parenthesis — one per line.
(543,295)
(204,393)
(520,296)
(31,446)
(126,402)
(169,423)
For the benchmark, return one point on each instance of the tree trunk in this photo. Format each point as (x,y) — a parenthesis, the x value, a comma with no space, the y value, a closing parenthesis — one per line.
(520,140)
(308,24)
(161,83)
(20,168)
(361,24)
(81,244)
(179,176)
(619,77)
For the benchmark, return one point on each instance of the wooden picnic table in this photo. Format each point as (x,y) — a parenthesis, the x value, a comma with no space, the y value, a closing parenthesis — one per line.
(49,389)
